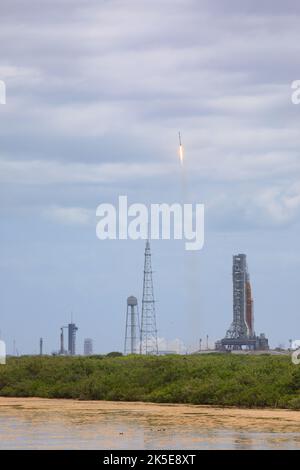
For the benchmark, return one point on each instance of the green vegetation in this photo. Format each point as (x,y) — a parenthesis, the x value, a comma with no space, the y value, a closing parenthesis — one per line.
(214,379)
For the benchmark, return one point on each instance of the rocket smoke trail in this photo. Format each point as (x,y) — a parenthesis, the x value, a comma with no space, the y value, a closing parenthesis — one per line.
(180,149)
(183,171)
(191,263)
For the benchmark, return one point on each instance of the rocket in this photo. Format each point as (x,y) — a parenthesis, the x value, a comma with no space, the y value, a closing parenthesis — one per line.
(180,149)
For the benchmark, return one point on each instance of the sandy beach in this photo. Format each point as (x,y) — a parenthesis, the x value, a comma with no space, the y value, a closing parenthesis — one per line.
(270,420)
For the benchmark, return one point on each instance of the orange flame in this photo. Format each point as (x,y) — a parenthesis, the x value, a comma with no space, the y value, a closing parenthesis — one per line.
(181,154)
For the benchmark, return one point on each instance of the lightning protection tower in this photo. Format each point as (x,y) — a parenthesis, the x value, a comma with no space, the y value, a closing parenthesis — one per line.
(132,332)
(148,340)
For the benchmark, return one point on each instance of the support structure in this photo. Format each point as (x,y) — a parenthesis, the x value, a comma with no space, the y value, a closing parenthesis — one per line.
(62,350)
(88,347)
(238,328)
(241,334)
(148,339)
(132,332)
(72,328)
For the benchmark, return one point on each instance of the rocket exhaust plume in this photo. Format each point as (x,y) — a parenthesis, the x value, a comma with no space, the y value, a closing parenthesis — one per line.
(183,169)
(191,269)
(180,150)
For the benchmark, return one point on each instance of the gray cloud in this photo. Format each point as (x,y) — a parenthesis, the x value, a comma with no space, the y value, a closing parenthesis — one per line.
(96,93)
(101,75)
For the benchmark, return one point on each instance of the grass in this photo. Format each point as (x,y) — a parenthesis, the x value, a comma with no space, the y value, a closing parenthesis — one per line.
(216,379)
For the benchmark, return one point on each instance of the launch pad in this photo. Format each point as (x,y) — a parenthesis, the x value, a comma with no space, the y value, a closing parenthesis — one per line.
(257,343)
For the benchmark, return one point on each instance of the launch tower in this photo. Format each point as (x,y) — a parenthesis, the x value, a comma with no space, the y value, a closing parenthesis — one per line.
(148,339)
(241,334)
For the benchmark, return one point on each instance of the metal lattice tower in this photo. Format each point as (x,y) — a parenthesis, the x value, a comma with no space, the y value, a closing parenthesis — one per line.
(148,340)
(241,334)
(238,328)
(132,332)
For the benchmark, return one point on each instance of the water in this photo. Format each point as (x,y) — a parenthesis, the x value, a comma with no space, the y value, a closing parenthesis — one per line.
(93,425)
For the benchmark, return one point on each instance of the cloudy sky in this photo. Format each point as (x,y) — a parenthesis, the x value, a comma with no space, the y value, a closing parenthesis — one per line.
(96,93)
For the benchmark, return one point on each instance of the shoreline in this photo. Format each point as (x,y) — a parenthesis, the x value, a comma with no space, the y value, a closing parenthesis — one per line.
(261,419)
